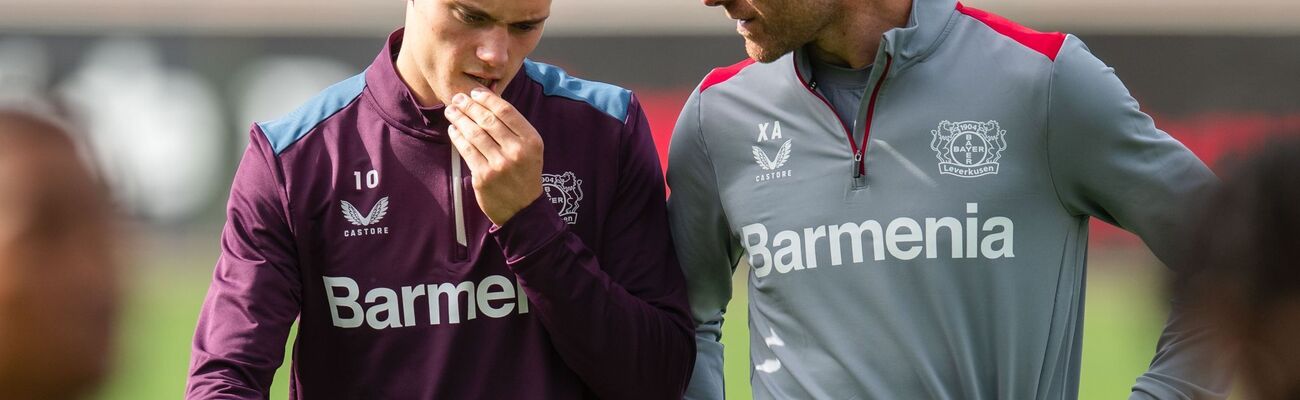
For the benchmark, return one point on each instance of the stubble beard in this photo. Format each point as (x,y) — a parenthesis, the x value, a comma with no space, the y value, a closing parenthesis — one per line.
(791,31)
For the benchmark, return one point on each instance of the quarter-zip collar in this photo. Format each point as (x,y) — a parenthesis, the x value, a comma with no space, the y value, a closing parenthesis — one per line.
(394,101)
(928,23)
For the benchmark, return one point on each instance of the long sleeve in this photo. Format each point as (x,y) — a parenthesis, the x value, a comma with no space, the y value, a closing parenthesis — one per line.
(255,294)
(707,251)
(617,318)
(1109,161)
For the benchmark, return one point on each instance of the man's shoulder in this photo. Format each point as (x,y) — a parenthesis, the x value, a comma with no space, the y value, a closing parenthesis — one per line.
(745,87)
(748,80)
(723,74)
(1048,44)
(605,98)
(290,128)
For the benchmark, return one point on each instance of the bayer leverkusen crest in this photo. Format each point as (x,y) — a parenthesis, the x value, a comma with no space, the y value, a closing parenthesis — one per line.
(564,190)
(968,149)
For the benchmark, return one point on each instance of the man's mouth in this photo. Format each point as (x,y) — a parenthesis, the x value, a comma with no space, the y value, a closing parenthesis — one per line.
(490,84)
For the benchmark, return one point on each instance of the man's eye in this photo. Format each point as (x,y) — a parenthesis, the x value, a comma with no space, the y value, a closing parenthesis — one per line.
(472,18)
(528,27)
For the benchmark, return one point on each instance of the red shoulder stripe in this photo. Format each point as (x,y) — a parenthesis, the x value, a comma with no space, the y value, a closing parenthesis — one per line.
(722,74)
(1049,44)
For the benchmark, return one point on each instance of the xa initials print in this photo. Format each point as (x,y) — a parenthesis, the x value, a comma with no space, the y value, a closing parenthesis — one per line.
(771,132)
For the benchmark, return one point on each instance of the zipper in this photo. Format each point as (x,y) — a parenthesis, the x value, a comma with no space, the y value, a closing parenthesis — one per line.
(812,88)
(458,209)
(859,152)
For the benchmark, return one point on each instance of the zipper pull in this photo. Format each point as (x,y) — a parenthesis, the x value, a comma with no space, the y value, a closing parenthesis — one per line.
(813,85)
(857,160)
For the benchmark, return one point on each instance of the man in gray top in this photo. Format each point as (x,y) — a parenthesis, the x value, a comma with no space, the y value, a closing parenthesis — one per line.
(920,231)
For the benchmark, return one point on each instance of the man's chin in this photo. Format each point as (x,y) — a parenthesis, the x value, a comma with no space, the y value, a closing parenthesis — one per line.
(762,53)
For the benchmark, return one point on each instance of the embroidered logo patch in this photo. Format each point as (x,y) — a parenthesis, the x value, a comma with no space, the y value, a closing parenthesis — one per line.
(772,166)
(564,190)
(353,215)
(968,149)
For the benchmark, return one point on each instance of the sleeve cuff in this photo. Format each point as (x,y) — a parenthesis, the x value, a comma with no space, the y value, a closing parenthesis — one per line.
(529,230)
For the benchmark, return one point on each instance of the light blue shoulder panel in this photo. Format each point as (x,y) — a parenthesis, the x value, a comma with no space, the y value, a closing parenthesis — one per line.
(610,99)
(288,129)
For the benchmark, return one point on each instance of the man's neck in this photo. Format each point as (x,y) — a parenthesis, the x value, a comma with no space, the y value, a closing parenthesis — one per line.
(413,76)
(853,39)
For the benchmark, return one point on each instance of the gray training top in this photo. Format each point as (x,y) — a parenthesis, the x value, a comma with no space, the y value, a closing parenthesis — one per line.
(945,257)
(841,86)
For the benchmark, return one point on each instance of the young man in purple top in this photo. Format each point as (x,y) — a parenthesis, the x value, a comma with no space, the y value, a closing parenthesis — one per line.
(429,245)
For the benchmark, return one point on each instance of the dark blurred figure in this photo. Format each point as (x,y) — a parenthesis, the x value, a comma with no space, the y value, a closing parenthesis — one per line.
(1248,279)
(57,264)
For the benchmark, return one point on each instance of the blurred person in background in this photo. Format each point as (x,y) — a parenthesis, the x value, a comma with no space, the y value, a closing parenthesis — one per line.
(58,282)
(911,181)
(1246,279)
(455,222)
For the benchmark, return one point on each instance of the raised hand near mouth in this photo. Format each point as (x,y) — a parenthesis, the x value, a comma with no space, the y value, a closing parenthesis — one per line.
(502,149)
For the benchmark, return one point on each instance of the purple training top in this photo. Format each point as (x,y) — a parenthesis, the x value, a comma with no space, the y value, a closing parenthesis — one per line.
(353,215)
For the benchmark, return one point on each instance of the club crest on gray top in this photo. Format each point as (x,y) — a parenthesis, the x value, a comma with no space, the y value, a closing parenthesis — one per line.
(968,149)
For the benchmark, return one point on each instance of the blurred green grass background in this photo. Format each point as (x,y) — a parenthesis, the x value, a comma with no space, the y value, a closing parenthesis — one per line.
(163,294)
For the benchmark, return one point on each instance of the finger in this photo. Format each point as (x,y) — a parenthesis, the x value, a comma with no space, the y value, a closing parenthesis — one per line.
(504,111)
(484,117)
(473,133)
(472,156)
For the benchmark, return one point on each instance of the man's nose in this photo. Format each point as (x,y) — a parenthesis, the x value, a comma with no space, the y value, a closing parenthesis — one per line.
(494,49)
